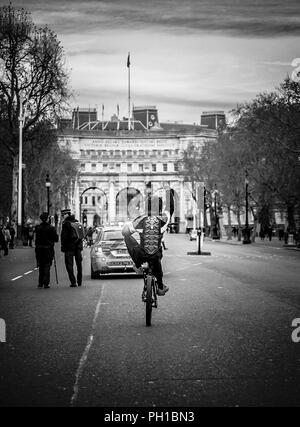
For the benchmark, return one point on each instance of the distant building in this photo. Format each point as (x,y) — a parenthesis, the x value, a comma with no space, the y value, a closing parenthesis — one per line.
(147,115)
(83,115)
(116,164)
(213,119)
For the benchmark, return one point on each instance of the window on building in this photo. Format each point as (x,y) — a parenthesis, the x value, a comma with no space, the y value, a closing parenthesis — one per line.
(129,167)
(118,167)
(86,200)
(176,167)
(111,166)
(153,168)
(82,166)
(165,167)
(105,166)
(94,166)
(93,200)
(141,168)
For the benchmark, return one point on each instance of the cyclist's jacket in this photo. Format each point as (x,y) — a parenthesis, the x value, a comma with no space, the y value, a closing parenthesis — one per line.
(150,234)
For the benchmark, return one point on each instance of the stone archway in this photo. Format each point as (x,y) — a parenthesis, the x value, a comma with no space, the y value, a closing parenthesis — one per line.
(129,202)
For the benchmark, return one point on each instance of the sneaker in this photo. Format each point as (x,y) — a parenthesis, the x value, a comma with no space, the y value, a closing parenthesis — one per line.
(73,285)
(40,286)
(162,292)
(46,286)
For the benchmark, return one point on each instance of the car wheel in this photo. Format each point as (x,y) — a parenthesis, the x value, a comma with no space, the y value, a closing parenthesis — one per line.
(94,275)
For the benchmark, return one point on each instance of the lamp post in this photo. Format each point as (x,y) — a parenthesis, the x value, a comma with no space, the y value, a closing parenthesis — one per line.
(48,185)
(21,123)
(247,239)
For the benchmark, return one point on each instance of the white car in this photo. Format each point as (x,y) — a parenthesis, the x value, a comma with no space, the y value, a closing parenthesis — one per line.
(109,253)
(193,234)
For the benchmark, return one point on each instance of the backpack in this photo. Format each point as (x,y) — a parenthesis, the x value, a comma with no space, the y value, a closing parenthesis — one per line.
(77,229)
(151,238)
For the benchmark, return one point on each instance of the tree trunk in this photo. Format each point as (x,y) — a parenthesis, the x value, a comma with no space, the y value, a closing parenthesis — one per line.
(291,217)
(229,233)
(253,235)
(239,226)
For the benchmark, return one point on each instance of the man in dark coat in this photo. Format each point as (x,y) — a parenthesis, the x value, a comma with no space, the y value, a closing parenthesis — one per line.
(3,243)
(45,238)
(72,247)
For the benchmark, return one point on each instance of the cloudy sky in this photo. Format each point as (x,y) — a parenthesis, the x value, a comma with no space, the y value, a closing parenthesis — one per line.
(187,56)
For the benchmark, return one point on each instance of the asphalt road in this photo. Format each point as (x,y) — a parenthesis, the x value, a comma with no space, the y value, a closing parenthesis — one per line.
(220,337)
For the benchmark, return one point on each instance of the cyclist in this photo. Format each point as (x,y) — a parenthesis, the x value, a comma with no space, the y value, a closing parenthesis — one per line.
(151,227)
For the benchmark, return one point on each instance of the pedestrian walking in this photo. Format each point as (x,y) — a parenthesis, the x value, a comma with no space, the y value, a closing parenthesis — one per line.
(12,236)
(270,233)
(3,243)
(281,233)
(72,245)
(30,234)
(7,235)
(45,237)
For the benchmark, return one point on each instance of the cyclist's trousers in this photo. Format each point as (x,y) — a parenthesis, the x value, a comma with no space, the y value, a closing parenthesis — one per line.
(139,256)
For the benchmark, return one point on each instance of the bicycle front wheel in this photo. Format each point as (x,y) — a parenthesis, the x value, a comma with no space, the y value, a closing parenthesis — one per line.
(148,300)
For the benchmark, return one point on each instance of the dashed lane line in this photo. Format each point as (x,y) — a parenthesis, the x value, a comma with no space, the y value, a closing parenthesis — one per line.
(24,274)
(16,278)
(86,351)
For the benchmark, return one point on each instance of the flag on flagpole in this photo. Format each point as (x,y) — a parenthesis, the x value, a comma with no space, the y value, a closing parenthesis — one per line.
(118,110)
(128,60)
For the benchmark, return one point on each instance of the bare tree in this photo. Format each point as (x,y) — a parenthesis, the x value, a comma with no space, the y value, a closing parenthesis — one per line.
(33,73)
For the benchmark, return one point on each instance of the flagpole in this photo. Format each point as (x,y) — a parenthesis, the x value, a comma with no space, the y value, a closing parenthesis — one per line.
(128,66)
(102,116)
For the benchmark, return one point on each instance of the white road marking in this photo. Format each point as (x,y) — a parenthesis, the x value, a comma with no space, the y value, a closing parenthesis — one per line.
(85,354)
(15,278)
(28,272)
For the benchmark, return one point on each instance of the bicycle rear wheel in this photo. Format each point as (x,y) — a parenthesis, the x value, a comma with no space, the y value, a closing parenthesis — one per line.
(148,300)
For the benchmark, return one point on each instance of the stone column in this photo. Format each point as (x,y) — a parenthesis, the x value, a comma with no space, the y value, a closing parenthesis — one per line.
(111,202)
(182,205)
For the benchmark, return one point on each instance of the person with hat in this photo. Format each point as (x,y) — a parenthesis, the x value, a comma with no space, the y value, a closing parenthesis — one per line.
(45,238)
(72,246)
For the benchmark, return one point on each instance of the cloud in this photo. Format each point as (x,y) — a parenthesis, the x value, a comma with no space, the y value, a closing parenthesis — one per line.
(244,18)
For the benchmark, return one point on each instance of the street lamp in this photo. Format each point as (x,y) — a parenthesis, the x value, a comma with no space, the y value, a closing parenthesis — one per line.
(247,239)
(48,185)
(21,124)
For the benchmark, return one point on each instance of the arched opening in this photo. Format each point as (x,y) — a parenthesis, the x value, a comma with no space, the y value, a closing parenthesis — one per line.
(93,206)
(129,202)
(96,220)
(171,203)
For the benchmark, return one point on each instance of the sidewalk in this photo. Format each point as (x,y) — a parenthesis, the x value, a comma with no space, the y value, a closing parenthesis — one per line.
(275,242)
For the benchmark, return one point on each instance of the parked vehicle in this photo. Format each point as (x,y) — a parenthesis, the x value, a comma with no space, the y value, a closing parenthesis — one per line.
(109,254)
(193,234)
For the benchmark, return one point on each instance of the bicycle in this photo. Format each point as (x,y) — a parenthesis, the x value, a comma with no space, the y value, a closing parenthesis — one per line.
(149,295)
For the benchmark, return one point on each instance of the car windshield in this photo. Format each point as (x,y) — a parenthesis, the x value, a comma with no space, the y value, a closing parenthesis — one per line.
(112,235)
